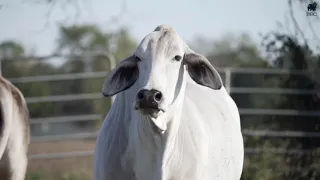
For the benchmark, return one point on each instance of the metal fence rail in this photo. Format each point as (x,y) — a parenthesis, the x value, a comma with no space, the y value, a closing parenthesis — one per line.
(278,112)
(69,97)
(59,77)
(77,136)
(89,75)
(245,132)
(92,117)
(91,153)
(67,119)
(268,133)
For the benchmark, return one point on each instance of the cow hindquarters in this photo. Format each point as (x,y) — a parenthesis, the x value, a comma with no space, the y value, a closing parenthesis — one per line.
(6,112)
(13,161)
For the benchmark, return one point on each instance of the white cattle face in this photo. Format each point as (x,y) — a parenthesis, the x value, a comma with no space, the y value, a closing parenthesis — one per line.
(157,70)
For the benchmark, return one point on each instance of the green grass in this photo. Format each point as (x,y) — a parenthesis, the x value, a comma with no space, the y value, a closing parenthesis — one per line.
(40,175)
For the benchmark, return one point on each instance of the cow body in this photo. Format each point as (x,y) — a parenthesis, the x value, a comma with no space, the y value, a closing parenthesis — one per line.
(201,140)
(14,132)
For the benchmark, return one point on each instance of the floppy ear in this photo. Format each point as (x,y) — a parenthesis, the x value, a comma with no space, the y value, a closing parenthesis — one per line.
(122,77)
(201,71)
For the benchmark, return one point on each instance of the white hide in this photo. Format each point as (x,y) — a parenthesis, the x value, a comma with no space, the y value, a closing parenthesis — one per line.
(203,140)
(14,135)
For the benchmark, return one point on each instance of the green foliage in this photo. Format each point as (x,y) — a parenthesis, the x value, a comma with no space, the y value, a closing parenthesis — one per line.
(126,45)
(35,176)
(10,48)
(76,39)
(292,55)
(40,175)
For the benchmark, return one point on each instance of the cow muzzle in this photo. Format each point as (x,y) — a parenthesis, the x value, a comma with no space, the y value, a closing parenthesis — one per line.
(149,102)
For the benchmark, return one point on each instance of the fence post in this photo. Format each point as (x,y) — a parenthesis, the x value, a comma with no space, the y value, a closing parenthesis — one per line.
(88,62)
(45,127)
(228,79)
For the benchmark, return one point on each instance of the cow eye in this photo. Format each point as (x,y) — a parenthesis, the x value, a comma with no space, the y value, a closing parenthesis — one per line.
(177,58)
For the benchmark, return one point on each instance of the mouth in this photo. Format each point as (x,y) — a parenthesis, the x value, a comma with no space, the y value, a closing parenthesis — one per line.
(155,114)
(151,111)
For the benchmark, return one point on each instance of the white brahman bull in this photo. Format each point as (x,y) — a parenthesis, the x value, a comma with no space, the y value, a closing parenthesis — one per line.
(172,119)
(14,132)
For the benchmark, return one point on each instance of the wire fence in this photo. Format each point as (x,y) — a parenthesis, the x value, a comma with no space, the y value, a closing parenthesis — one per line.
(97,117)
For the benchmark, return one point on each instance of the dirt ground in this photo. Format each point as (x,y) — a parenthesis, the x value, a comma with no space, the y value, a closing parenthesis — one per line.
(61,168)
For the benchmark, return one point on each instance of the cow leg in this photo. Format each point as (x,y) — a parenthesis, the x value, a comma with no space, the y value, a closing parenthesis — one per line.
(17,157)
(13,165)
(4,169)
(18,161)
(17,164)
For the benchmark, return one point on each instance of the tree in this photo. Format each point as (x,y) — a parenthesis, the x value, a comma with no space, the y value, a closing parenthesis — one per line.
(8,50)
(295,56)
(80,42)
(125,44)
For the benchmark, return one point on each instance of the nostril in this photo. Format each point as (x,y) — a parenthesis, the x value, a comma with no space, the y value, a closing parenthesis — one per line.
(140,95)
(158,96)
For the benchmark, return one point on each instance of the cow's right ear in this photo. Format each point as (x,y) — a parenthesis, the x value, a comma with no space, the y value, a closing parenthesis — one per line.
(201,71)
(122,77)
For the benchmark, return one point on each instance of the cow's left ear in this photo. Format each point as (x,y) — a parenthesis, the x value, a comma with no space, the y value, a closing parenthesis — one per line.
(201,71)
(122,77)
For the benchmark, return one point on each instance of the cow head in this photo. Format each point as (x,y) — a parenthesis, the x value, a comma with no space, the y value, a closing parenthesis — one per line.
(157,71)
